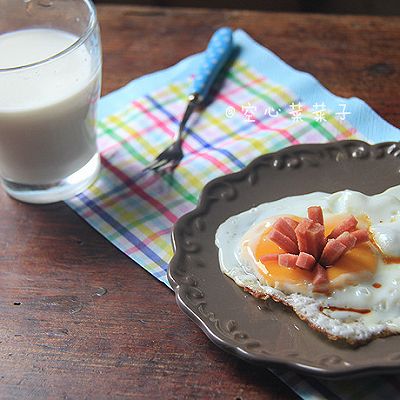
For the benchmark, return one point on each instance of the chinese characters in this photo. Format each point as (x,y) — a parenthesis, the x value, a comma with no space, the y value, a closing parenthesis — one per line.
(297,112)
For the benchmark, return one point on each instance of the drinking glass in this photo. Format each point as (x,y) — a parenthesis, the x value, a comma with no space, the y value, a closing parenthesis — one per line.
(50,78)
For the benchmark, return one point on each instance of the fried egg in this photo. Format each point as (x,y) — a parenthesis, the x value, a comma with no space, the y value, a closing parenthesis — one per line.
(363,300)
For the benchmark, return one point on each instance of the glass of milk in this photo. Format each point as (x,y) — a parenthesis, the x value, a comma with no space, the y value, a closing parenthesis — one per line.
(50,77)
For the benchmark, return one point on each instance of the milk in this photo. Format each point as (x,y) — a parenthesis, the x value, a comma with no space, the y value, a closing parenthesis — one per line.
(47,111)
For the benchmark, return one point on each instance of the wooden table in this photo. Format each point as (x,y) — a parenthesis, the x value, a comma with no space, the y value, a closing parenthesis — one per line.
(79,320)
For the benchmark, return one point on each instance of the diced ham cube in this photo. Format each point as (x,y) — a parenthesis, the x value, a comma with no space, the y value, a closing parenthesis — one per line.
(291,222)
(361,235)
(283,241)
(310,237)
(316,240)
(305,261)
(301,234)
(332,252)
(283,227)
(348,239)
(347,225)
(315,214)
(288,260)
(269,258)
(320,276)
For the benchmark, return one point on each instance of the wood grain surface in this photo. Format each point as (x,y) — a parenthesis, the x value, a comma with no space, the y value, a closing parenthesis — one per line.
(78,319)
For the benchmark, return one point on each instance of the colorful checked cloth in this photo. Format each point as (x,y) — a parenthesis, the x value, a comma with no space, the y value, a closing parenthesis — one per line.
(263,105)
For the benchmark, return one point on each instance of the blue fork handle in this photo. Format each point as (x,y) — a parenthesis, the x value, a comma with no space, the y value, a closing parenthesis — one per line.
(215,57)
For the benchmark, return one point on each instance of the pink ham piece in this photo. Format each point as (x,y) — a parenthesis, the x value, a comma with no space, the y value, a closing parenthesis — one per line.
(320,276)
(288,260)
(301,234)
(269,258)
(361,235)
(347,225)
(316,240)
(315,214)
(282,226)
(291,222)
(305,261)
(283,241)
(332,252)
(348,239)
(310,237)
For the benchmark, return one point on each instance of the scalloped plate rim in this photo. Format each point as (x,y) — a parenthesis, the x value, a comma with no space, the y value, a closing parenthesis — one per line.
(235,349)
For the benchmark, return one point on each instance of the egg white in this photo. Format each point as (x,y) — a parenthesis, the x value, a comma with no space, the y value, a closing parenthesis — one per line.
(236,235)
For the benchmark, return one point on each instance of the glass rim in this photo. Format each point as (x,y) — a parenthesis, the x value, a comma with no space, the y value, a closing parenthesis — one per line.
(82,38)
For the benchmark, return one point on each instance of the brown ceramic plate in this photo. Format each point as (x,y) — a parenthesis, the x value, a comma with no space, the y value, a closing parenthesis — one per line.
(260,331)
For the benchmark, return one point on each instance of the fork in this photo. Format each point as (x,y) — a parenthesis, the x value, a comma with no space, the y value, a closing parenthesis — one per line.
(215,57)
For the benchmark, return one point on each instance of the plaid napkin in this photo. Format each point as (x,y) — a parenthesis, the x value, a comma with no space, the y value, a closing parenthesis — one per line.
(263,105)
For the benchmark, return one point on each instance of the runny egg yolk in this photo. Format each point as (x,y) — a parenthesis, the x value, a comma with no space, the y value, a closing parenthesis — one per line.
(354,266)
